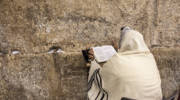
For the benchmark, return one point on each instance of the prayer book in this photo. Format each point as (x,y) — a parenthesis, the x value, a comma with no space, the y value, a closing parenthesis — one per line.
(103,53)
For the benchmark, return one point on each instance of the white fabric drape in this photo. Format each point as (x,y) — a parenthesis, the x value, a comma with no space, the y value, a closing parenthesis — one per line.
(131,73)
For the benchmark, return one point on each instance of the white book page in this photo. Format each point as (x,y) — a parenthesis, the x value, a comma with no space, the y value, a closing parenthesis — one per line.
(104,53)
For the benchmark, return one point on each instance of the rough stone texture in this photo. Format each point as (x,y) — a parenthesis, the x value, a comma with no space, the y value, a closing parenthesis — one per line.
(64,76)
(43,77)
(33,26)
(168,61)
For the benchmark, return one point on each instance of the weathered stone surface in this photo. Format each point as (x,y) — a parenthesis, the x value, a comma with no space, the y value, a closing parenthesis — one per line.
(33,26)
(168,61)
(28,78)
(43,77)
(64,76)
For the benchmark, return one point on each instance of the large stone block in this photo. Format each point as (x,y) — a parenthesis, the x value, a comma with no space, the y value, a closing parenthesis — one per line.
(28,77)
(43,77)
(35,25)
(168,61)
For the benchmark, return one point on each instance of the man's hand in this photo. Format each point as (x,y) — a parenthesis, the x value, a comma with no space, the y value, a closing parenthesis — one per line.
(91,54)
(115,45)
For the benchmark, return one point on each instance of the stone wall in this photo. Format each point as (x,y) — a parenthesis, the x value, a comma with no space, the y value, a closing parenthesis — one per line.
(43,77)
(64,76)
(33,26)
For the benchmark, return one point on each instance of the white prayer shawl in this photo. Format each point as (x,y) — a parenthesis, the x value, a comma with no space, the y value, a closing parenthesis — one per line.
(131,73)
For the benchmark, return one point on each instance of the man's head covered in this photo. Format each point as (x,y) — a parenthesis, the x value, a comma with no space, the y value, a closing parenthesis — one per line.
(131,40)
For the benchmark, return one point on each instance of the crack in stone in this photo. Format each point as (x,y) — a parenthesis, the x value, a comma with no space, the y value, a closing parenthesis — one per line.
(83,18)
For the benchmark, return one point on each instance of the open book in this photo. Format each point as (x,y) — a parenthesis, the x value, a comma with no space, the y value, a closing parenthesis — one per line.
(103,53)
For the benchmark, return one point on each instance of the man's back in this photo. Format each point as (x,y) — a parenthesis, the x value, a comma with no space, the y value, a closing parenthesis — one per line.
(132,75)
